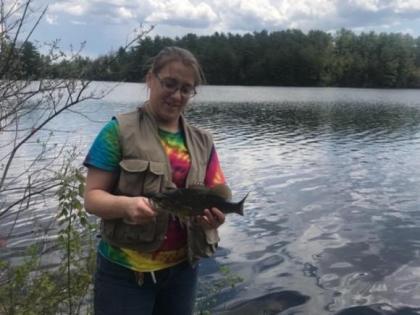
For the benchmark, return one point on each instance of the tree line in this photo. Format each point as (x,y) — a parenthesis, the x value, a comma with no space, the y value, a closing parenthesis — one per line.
(281,58)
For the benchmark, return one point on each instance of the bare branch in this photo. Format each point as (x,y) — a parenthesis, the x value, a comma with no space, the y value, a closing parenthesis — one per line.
(28,195)
(69,103)
(28,106)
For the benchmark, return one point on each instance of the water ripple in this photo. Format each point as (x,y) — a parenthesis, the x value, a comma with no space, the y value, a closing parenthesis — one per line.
(334,181)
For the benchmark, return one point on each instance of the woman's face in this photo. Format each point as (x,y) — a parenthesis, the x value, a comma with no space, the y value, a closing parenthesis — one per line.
(167,104)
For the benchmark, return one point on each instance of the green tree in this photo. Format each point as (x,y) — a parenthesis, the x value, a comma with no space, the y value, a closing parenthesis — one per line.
(288,57)
(31,61)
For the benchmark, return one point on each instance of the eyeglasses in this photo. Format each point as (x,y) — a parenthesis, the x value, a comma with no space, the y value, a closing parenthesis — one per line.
(171,85)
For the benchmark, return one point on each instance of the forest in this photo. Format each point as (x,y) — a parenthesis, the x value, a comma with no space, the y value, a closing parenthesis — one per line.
(280,58)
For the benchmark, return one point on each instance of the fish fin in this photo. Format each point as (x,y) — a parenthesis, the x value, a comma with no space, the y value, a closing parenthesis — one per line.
(240,204)
(222,191)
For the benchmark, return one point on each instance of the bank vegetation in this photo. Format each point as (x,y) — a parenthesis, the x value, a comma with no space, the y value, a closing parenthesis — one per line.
(280,58)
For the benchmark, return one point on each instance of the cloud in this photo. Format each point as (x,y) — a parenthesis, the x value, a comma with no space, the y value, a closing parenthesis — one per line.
(366,5)
(101,11)
(123,12)
(246,14)
(243,15)
(70,7)
(408,6)
(76,22)
(108,21)
(386,15)
(182,13)
(51,19)
(255,15)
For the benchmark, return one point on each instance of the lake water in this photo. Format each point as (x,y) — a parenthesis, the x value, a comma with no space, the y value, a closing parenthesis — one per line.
(332,221)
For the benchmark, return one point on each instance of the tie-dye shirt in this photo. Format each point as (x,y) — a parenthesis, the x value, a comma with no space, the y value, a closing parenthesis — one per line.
(105,154)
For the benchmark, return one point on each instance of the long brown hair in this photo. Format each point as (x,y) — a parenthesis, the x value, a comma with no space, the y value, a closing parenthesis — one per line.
(174,53)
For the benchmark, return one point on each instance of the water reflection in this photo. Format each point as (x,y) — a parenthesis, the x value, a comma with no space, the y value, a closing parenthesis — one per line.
(270,303)
(337,184)
(332,222)
(378,310)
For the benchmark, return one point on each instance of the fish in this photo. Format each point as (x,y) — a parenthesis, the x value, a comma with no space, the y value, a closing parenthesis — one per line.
(192,201)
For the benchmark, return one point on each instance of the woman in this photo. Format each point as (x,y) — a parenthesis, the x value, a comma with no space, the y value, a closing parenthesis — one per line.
(147,260)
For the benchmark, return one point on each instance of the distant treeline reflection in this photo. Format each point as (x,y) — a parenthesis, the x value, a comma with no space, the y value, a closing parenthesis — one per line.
(281,58)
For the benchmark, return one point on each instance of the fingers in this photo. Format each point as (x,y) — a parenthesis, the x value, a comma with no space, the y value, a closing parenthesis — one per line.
(205,220)
(218,215)
(140,211)
(212,219)
(147,207)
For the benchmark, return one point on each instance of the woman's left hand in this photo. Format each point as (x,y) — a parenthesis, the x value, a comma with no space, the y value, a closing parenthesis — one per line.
(211,219)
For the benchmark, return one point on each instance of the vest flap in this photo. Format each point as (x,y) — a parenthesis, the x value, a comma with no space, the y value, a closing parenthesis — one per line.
(134,165)
(157,168)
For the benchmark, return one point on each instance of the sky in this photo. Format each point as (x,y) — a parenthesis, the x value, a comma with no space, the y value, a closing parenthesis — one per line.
(105,25)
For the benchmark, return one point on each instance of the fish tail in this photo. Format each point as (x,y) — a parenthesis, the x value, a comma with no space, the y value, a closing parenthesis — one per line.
(240,206)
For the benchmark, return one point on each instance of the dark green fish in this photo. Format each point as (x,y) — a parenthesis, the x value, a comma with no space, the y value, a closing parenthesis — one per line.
(192,201)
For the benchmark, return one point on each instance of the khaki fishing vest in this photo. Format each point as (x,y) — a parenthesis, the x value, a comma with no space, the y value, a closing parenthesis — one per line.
(145,168)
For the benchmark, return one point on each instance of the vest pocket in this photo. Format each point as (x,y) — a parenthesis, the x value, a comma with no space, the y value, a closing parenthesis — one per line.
(203,242)
(120,234)
(153,182)
(138,177)
(132,234)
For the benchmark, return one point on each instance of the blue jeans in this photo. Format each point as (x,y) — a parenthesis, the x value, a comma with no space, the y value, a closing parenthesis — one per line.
(117,291)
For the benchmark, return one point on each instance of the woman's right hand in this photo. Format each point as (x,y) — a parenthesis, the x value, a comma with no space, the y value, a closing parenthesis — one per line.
(139,211)
(100,201)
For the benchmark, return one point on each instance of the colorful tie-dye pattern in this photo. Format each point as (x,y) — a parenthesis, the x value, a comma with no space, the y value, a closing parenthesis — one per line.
(214,173)
(105,154)
(177,152)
